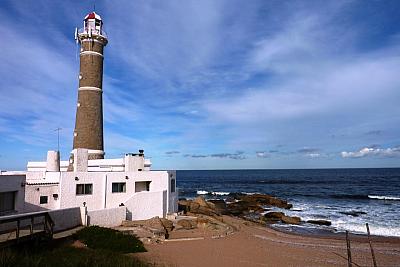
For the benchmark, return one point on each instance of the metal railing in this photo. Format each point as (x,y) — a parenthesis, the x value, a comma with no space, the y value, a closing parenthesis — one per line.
(47,223)
(93,32)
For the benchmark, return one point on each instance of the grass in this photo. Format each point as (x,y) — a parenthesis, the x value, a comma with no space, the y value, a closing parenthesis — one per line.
(105,247)
(67,256)
(96,237)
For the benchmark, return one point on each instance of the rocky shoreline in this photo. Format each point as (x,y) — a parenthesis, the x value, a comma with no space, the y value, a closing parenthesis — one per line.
(201,218)
(253,207)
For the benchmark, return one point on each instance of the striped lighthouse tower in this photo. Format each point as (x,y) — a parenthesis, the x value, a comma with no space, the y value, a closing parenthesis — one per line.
(88,131)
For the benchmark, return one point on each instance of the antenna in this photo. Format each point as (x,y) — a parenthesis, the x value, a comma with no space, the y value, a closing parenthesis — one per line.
(58,138)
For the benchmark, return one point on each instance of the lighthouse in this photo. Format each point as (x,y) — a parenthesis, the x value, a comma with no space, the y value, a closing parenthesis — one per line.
(88,132)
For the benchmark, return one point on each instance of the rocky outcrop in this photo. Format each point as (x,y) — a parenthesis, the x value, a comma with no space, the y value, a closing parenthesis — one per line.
(276,216)
(353,213)
(186,224)
(199,206)
(219,205)
(291,220)
(320,222)
(157,226)
(241,205)
(266,200)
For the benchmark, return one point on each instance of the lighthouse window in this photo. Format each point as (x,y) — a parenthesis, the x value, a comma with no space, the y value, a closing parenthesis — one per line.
(118,187)
(84,189)
(172,185)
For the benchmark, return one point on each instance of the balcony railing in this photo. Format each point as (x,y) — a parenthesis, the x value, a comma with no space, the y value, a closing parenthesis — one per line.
(94,32)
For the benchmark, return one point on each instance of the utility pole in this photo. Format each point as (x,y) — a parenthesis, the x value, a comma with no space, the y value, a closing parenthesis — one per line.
(58,138)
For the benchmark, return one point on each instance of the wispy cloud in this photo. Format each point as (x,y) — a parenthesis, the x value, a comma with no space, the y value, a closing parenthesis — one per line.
(209,76)
(372,151)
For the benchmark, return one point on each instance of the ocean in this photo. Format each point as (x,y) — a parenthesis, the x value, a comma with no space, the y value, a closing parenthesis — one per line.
(348,198)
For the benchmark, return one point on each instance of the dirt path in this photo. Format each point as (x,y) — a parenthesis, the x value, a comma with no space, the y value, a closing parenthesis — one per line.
(253,245)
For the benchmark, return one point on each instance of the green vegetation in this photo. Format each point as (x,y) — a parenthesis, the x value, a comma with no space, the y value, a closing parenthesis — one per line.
(105,247)
(67,256)
(96,237)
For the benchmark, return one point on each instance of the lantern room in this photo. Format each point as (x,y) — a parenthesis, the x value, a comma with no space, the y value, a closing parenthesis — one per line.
(93,23)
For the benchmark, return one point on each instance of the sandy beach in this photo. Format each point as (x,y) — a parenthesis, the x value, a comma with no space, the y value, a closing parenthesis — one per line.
(254,245)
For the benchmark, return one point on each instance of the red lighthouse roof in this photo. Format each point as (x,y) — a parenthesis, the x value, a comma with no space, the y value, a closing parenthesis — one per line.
(93,15)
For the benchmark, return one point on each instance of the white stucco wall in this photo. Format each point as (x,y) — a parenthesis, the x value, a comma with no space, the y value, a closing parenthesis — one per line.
(68,184)
(107,217)
(66,218)
(145,205)
(33,192)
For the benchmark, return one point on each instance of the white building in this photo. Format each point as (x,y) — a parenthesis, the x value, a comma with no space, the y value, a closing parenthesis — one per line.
(97,184)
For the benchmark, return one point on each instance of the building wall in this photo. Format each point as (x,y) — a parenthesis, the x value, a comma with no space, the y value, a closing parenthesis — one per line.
(14,183)
(145,205)
(33,193)
(68,184)
(102,196)
(107,217)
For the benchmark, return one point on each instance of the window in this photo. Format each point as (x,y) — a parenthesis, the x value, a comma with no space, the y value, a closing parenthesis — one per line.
(7,201)
(142,186)
(172,185)
(84,189)
(43,199)
(118,187)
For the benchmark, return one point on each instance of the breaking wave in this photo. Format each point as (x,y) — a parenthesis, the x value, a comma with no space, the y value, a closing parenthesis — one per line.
(384,197)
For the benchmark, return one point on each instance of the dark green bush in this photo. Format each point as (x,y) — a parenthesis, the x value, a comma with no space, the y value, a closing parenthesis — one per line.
(67,256)
(96,237)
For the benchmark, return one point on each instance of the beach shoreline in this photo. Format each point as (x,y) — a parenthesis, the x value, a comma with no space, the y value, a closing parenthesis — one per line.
(252,244)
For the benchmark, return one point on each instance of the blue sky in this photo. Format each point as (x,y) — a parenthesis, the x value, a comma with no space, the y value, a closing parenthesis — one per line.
(210,84)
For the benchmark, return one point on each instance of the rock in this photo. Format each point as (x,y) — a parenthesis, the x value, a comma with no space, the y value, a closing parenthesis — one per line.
(262,199)
(155,226)
(201,201)
(353,213)
(202,222)
(236,195)
(274,215)
(219,205)
(186,224)
(290,220)
(183,205)
(230,200)
(168,225)
(320,222)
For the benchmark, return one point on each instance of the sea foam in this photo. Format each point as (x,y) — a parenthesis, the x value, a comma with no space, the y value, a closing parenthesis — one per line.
(384,197)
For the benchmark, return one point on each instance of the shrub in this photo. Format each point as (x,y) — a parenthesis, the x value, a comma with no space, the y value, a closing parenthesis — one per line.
(67,257)
(96,237)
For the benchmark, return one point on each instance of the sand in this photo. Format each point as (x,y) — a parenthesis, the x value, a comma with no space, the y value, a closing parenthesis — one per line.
(255,245)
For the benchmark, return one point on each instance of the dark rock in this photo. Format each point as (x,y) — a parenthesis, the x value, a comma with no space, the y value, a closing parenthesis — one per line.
(274,215)
(261,199)
(290,220)
(184,205)
(230,199)
(320,222)
(168,225)
(235,195)
(219,205)
(353,213)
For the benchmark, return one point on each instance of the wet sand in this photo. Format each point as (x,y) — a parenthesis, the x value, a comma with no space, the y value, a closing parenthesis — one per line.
(255,245)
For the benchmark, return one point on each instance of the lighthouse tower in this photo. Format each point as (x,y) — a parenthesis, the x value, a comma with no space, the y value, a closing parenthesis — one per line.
(88,133)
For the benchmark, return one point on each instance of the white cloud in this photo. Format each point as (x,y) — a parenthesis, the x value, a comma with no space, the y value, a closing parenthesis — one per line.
(372,151)
(262,154)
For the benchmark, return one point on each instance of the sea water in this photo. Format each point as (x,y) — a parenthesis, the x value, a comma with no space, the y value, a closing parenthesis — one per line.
(348,198)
